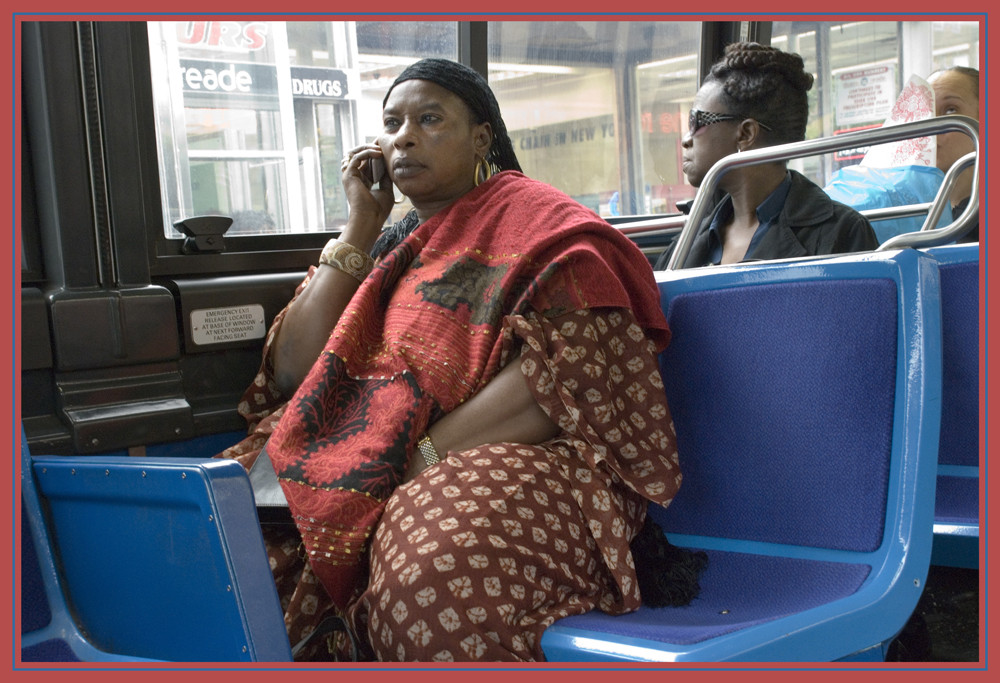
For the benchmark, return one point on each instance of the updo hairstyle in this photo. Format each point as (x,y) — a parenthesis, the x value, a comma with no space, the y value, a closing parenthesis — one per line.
(768,85)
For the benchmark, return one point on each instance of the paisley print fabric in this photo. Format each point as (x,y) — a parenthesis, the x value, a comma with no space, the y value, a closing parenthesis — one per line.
(475,557)
(423,334)
(546,525)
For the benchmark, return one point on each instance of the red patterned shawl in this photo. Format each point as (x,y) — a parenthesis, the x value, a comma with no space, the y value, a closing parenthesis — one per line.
(423,334)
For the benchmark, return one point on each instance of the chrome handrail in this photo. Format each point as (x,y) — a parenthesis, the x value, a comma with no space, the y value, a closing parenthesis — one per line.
(953,230)
(666,225)
(795,150)
(652,226)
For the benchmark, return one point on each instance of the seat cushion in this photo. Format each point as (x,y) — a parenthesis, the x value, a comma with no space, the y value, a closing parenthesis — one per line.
(738,590)
(956,500)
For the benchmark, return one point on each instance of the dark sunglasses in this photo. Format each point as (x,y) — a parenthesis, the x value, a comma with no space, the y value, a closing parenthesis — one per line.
(699,119)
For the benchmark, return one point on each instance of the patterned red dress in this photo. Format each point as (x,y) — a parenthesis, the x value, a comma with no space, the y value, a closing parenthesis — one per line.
(476,556)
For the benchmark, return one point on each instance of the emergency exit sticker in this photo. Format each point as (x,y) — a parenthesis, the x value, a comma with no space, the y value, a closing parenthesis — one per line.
(221,325)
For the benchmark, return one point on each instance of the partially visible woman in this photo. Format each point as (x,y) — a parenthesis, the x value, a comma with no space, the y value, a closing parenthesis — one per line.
(956,91)
(755,96)
(475,421)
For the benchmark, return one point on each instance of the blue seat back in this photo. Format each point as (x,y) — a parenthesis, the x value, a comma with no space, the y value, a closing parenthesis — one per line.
(783,397)
(155,558)
(35,611)
(956,511)
(49,632)
(806,399)
(959,267)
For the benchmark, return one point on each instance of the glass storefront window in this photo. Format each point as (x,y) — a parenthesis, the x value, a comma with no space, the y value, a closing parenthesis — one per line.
(954,43)
(243,190)
(220,128)
(666,86)
(253,117)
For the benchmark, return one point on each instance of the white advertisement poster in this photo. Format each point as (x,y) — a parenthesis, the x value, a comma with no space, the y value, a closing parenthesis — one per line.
(865,96)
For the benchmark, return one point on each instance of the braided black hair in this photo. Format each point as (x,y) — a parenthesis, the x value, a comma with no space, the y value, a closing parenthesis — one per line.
(768,85)
(469,85)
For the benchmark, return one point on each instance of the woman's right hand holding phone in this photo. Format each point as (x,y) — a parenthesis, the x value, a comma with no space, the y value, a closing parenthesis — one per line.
(312,316)
(370,197)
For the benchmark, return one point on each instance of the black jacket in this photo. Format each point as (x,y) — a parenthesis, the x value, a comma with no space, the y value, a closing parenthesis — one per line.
(810,224)
(973,230)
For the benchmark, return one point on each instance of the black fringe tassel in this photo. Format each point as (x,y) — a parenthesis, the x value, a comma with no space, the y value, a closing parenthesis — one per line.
(668,575)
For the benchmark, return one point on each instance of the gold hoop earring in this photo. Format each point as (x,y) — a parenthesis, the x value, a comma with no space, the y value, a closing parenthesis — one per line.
(483,172)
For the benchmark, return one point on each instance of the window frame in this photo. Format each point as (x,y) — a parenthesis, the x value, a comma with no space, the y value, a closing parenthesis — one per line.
(166,256)
(132,181)
(128,84)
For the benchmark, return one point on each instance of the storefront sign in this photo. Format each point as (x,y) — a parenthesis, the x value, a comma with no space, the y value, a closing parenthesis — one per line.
(315,82)
(231,36)
(234,78)
(241,78)
(554,136)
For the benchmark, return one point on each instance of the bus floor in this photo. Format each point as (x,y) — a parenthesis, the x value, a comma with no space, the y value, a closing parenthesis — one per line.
(945,625)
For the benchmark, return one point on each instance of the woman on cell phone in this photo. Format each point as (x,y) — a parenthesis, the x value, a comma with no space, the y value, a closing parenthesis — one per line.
(464,410)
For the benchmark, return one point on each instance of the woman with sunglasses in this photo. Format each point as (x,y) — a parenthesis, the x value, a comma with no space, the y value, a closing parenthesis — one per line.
(755,96)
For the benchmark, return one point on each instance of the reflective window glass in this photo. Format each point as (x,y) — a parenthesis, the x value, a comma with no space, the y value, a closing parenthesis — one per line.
(253,117)
(593,107)
(860,69)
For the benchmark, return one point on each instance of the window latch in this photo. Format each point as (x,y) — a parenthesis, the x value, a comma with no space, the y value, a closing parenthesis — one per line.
(203,234)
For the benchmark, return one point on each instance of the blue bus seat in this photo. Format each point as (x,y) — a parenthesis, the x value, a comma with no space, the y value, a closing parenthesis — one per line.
(956,509)
(49,633)
(144,559)
(806,399)
(205,446)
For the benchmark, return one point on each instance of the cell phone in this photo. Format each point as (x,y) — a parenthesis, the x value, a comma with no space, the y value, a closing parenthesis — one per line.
(376,167)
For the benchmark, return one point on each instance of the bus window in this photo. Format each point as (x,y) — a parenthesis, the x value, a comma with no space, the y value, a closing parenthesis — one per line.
(860,68)
(253,117)
(581,104)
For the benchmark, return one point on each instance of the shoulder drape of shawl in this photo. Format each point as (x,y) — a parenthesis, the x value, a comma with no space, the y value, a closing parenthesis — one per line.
(422,335)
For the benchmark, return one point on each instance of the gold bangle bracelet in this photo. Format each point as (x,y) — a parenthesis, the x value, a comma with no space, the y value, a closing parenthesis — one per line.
(347,258)
(427,450)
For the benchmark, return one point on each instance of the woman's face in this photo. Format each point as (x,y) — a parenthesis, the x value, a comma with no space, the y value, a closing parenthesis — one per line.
(954,93)
(430,144)
(709,143)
